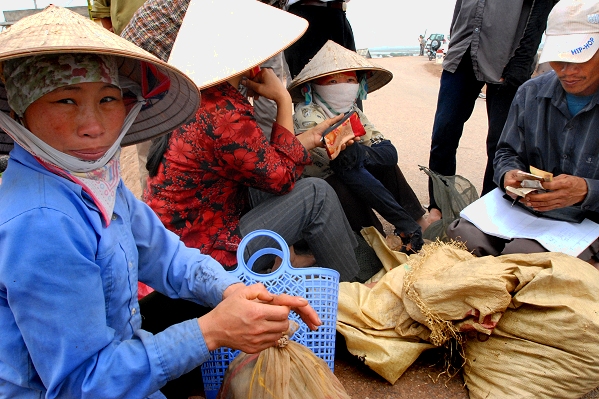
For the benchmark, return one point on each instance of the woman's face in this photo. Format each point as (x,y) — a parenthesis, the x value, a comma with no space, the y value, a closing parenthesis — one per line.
(82,120)
(347,77)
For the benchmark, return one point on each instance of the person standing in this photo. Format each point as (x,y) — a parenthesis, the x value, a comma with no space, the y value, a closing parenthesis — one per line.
(327,21)
(422,42)
(492,43)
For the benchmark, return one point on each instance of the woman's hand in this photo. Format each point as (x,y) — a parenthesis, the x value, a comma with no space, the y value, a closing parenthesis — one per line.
(267,84)
(252,319)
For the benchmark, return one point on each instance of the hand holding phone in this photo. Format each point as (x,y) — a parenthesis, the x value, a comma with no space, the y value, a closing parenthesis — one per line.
(348,128)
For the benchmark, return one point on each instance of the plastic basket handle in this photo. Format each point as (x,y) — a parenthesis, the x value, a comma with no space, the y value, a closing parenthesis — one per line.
(263,251)
(283,253)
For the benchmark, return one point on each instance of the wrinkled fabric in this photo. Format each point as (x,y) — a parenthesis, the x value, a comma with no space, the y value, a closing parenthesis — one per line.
(201,188)
(528,322)
(29,78)
(69,315)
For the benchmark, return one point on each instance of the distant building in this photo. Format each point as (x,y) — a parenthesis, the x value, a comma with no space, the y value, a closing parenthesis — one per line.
(364,52)
(10,17)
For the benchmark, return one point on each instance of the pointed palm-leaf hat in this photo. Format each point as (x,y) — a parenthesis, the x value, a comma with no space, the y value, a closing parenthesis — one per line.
(333,58)
(242,35)
(171,97)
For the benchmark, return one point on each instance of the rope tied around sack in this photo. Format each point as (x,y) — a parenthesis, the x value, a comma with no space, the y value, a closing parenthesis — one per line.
(286,336)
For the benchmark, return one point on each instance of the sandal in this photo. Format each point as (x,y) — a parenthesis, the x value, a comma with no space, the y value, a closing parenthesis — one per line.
(411,243)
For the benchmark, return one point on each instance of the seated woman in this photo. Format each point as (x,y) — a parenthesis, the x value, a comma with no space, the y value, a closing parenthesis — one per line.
(218,178)
(328,86)
(74,240)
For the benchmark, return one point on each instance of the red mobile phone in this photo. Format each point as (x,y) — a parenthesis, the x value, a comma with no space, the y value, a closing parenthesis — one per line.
(254,71)
(341,132)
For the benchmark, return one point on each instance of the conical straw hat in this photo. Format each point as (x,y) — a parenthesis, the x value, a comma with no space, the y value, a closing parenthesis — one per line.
(57,30)
(333,58)
(239,35)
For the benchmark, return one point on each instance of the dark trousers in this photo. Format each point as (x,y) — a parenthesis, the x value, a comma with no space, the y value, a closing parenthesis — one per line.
(158,312)
(363,180)
(457,95)
(324,24)
(482,244)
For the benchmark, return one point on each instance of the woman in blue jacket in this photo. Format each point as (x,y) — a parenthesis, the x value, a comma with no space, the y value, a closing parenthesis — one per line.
(74,241)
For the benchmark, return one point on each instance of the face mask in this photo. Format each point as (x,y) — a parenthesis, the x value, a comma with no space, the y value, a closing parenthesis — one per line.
(338,97)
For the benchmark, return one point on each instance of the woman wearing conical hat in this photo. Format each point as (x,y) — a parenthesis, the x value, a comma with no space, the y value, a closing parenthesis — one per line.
(329,85)
(218,178)
(74,241)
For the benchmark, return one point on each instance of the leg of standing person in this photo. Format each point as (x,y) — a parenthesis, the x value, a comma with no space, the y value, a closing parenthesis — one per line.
(457,95)
(310,211)
(324,24)
(499,99)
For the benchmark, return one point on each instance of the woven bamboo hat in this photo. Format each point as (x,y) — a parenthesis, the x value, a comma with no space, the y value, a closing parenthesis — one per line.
(56,30)
(333,58)
(210,55)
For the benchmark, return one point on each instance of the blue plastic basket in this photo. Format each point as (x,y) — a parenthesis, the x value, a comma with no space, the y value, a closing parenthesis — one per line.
(320,286)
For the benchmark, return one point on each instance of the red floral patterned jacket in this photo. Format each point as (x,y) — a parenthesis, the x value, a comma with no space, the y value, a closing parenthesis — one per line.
(201,188)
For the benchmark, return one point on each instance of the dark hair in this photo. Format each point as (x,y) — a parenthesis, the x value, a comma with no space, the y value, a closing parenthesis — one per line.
(156,153)
(3,162)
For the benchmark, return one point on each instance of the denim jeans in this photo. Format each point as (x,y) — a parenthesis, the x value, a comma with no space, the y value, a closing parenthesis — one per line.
(361,178)
(457,95)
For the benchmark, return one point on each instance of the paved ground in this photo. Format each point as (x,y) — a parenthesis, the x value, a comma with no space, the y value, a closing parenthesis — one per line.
(404,111)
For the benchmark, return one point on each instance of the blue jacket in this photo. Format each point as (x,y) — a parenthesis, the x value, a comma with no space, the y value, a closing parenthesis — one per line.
(69,317)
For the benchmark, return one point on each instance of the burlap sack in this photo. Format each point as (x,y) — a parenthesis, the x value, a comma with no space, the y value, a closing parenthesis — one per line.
(377,328)
(546,344)
(530,322)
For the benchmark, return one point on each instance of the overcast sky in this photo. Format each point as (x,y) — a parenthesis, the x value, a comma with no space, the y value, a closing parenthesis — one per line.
(375,22)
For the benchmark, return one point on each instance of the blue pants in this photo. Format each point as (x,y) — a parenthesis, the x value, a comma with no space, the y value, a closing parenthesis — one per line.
(457,95)
(360,175)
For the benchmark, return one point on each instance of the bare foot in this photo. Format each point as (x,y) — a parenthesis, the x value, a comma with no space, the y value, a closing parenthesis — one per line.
(304,260)
(423,223)
(433,215)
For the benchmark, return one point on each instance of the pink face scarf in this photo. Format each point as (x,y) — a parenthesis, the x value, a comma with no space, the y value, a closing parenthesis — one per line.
(28,79)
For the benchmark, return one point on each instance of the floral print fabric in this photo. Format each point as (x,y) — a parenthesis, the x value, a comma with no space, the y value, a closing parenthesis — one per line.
(201,189)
